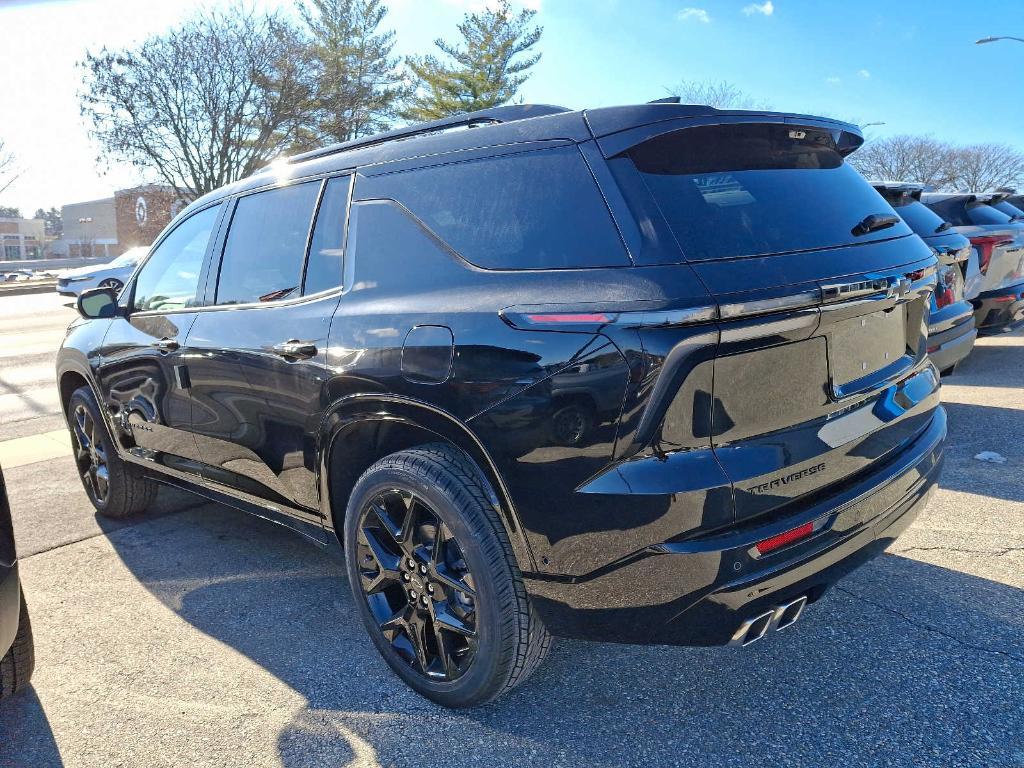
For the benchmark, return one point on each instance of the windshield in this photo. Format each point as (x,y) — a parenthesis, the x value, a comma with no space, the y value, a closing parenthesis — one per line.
(1015,213)
(922,219)
(747,190)
(129,258)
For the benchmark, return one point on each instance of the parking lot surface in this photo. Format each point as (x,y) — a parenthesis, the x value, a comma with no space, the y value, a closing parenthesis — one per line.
(195,635)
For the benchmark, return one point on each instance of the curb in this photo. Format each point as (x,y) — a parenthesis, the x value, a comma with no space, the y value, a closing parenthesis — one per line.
(22,290)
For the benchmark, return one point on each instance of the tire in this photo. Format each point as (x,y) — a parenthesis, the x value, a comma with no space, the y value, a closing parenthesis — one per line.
(112,282)
(17,665)
(450,497)
(115,488)
(572,424)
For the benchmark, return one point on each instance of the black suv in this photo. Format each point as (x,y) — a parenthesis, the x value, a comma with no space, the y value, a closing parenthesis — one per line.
(373,343)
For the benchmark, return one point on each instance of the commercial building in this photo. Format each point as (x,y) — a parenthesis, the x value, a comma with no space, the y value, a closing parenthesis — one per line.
(111,226)
(21,239)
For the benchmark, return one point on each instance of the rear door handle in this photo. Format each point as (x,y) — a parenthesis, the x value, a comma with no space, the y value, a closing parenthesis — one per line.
(166,344)
(294,349)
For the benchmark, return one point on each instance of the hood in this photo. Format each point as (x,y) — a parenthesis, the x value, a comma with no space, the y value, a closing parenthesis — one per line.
(85,271)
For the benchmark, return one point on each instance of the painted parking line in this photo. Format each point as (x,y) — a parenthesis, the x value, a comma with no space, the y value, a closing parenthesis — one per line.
(28,450)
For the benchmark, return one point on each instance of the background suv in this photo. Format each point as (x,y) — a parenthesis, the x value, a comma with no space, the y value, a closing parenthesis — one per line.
(996,287)
(951,327)
(371,343)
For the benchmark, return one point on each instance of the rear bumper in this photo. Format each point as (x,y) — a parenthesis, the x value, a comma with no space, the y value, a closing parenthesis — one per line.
(698,591)
(1001,307)
(10,606)
(949,347)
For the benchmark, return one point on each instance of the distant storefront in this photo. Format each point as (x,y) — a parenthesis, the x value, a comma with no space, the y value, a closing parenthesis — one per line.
(21,239)
(111,226)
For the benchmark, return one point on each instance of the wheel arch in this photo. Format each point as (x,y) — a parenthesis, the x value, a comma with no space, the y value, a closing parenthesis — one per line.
(359,430)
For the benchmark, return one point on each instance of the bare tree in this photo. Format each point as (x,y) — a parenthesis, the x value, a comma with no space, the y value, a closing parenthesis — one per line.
(985,167)
(721,95)
(8,170)
(920,159)
(203,105)
(939,164)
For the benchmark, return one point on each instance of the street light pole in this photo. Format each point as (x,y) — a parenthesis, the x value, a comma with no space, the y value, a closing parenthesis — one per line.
(995,39)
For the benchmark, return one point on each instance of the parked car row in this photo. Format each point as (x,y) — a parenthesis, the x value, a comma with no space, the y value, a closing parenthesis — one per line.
(979,241)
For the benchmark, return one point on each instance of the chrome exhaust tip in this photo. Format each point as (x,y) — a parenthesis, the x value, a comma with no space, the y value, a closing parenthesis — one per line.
(787,615)
(778,618)
(752,630)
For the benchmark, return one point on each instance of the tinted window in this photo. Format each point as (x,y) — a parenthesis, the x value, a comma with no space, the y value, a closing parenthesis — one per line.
(266,245)
(980,213)
(170,278)
(742,190)
(950,209)
(323,269)
(922,219)
(532,210)
(1015,213)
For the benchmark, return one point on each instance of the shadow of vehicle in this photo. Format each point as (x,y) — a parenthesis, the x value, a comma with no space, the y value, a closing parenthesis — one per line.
(904,663)
(25,735)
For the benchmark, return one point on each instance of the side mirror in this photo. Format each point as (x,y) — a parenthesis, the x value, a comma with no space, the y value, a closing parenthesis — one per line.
(97,303)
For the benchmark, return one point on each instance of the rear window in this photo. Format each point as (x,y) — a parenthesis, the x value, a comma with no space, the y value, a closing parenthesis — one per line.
(1015,213)
(982,213)
(529,210)
(747,190)
(922,219)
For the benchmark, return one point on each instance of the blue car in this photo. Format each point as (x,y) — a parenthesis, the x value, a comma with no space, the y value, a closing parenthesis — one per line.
(114,274)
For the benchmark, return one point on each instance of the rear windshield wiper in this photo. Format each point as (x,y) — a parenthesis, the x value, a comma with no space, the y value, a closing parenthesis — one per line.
(874,222)
(943,227)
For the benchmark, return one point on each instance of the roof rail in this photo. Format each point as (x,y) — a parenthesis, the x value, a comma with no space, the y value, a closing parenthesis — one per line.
(505,114)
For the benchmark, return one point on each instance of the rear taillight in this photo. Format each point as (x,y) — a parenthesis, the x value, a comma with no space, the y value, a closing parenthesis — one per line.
(945,291)
(784,539)
(986,244)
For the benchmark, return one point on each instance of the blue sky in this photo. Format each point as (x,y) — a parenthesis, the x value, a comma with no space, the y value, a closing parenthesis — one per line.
(911,64)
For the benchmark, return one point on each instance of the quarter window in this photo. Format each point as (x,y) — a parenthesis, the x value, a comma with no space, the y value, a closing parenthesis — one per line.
(266,245)
(528,210)
(323,268)
(170,277)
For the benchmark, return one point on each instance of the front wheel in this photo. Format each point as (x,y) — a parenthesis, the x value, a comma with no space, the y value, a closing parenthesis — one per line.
(115,488)
(435,581)
(112,283)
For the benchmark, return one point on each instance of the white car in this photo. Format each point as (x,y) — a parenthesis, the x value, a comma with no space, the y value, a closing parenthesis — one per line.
(114,274)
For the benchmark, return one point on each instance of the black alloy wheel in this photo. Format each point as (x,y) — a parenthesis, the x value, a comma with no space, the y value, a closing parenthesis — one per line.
(90,455)
(435,580)
(417,584)
(115,488)
(113,283)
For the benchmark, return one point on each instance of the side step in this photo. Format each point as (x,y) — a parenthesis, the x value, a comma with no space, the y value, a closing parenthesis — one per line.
(778,618)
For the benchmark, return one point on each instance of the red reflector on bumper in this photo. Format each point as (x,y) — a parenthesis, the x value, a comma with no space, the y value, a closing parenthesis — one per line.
(778,542)
(1004,298)
(565,318)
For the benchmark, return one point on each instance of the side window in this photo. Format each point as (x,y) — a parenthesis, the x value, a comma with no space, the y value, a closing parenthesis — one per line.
(170,278)
(531,210)
(266,245)
(323,268)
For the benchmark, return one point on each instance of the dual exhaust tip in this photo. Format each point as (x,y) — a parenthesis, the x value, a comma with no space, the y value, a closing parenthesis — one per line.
(778,618)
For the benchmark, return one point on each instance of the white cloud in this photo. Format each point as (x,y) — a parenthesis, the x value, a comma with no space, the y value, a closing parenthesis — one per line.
(766,8)
(864,73)
(694,14)
(833,80)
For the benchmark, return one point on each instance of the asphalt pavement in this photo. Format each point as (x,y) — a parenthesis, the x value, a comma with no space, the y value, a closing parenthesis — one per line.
(197,636)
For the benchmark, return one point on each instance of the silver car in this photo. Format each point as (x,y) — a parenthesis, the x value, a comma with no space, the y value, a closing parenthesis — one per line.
(113,274)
